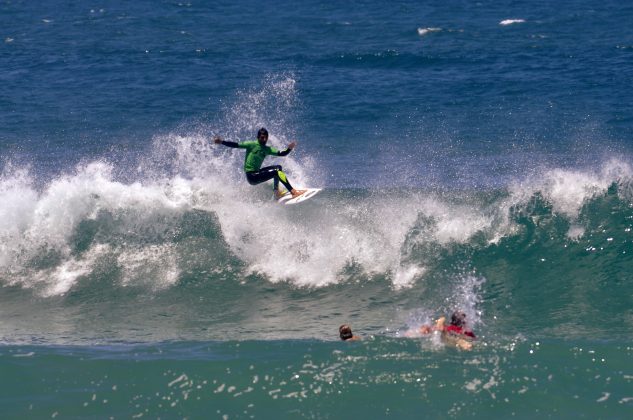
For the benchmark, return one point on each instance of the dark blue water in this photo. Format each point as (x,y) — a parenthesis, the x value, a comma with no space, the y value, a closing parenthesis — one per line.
(90,78)
(473,155)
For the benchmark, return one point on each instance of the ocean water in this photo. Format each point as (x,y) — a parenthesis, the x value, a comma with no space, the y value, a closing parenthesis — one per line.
(473,155)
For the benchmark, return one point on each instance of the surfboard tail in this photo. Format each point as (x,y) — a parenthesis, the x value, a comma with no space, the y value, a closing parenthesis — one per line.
(288,199)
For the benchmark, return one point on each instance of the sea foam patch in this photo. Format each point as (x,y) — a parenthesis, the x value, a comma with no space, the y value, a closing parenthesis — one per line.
(507,22)
(426,31)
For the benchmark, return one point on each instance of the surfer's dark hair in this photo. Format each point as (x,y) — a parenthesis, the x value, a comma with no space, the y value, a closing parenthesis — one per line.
(345,332)
(458,319)
(262,131)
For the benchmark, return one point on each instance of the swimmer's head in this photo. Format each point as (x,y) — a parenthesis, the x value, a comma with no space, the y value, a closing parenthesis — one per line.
(345,332)
(458,319)
(262,135)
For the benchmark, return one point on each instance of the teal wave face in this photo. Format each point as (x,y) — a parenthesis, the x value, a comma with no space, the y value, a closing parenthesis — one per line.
(563,277)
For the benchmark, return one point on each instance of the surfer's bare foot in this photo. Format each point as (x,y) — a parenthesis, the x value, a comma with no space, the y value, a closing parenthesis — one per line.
(296,193)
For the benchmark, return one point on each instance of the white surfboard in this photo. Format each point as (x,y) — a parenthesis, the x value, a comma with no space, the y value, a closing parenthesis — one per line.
(287,198)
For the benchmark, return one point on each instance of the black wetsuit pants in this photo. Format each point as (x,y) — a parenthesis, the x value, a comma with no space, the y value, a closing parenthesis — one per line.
(269,172)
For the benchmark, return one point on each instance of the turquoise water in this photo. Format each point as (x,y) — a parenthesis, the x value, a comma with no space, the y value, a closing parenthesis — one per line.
(382,377)
(473,156)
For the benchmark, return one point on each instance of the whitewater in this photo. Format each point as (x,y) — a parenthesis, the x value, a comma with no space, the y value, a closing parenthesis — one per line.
(473,157)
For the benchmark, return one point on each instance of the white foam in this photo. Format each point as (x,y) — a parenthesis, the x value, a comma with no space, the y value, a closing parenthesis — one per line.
(308,246)
(309,249)
(506,22)
(18,200)
(64,276)
(155,266)
(32,223)
(405,276)
(455,223)
(575,232)
(426,31)
(373,233)
(568,190)
(29,354)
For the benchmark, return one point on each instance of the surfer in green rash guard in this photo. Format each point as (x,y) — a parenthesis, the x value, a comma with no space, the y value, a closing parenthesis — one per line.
(256,152)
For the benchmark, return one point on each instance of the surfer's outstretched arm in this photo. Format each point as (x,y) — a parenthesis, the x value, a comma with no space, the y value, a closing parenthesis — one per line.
(233,144)
(288,149)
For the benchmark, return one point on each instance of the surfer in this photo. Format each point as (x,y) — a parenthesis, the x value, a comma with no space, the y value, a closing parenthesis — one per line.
(345,332)
(256,152)
(456,333)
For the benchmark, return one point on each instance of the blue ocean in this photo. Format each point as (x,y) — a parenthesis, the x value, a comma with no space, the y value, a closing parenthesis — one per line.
(473,156)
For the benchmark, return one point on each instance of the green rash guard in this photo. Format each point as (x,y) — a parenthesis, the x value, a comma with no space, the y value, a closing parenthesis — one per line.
(255,154)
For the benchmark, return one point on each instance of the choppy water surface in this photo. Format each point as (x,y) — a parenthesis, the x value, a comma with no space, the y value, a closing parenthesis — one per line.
(473,156)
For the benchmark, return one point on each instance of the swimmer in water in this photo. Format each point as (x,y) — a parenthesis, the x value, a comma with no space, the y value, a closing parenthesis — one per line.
(456,333)
(345,332)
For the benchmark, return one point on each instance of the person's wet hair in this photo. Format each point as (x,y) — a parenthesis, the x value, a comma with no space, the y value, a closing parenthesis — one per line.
(458,319)
(345,332)
(262,131)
